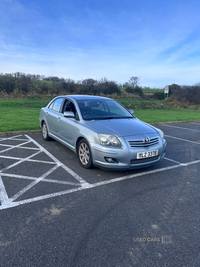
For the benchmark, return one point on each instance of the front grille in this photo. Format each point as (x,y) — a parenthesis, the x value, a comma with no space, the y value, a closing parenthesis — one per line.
(142,143)
(138,161)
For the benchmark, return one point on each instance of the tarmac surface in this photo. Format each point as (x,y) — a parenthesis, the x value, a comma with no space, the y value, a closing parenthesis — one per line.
(55,213)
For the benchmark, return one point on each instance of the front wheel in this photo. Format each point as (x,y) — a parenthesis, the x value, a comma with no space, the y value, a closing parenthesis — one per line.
(45,133)
(84,154)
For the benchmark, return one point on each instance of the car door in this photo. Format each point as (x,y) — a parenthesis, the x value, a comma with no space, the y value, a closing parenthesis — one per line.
(68,127)
(53,116)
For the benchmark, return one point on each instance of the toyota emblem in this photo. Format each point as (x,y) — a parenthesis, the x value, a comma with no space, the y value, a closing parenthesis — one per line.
(146,140)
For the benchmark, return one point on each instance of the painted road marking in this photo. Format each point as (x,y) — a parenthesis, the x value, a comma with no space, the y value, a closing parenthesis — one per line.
(21,192)
(11,147)
(88,186)
(3,193)
(18,162)
(31,160)
(80,183)
(5,201)
(181,139)
(195,130)
(34,178)
(173,160)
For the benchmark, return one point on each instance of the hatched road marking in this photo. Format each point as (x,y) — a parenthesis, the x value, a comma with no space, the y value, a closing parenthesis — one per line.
(26,143)
(37,149)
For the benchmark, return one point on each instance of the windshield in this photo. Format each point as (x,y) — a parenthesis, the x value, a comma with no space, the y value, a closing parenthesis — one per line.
(103,109)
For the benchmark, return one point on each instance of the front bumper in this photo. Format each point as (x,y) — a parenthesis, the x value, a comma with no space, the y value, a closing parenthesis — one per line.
(125,158)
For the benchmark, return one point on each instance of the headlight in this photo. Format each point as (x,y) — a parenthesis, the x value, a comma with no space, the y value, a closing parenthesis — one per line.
(160,132)
(109,140)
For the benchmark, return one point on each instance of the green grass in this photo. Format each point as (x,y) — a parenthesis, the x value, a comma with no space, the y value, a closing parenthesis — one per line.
(162,115)
(145,90)
(19,119)
(22,115)
(152,91)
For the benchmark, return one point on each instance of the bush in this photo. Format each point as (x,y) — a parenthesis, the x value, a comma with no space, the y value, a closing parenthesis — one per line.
(138,91)
(174,88)
(130,90)
(188,94)
(7,84)
(109,88)
(158,95)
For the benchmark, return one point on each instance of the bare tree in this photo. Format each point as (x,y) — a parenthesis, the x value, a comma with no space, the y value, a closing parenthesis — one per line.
(134,81)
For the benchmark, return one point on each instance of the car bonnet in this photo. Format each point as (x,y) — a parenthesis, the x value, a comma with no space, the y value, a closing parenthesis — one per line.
(121,127)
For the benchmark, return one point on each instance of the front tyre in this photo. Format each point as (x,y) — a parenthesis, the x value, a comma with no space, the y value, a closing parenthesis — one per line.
(84,154)
(45,133)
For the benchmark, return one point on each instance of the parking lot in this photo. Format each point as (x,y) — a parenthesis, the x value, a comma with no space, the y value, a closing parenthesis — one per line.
(107,217)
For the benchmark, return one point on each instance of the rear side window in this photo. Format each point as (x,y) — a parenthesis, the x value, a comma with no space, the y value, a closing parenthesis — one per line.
(56,105)
(51,106)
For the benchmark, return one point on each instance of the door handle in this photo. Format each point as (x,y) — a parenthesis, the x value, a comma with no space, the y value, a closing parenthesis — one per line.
(59,119)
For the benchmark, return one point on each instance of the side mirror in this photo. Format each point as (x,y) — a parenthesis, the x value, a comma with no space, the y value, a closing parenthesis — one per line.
(69,114)
(131,111)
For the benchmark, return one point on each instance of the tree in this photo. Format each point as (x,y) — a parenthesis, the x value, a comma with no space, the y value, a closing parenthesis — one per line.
(126,84)
(89,82)
(133,81)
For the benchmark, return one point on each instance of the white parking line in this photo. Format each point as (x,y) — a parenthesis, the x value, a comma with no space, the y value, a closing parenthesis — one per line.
(75,175)
(88,186)
(31,160)
(35,178)
(181,139)
(24,147)
(11,147)
(13,138)
(173,160)
(6,202)
(18,162)
(81,185)
(194,130)
(3,193)
(33,184)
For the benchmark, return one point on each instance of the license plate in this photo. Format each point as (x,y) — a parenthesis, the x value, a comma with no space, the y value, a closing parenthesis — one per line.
(148,154)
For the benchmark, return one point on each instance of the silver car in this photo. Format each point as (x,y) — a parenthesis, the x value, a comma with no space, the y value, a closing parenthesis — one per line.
(102,132)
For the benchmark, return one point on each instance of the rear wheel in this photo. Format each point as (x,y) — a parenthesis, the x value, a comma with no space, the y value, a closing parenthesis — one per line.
(84,154)
(45,133)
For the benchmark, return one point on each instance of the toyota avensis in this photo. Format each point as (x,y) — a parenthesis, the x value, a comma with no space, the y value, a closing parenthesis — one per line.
(102,132)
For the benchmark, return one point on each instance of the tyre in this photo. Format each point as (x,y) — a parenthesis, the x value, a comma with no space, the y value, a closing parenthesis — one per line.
(84,154)
(45,133)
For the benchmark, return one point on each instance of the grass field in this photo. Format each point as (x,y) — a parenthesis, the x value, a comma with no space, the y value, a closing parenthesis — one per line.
(22,115)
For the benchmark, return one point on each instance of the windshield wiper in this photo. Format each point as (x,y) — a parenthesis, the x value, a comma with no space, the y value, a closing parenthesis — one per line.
(112,118)
(108,118)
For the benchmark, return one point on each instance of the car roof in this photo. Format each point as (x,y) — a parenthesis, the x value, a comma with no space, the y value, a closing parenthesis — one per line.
(84,97)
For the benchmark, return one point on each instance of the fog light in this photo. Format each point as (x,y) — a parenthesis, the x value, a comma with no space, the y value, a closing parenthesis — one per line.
(111,160)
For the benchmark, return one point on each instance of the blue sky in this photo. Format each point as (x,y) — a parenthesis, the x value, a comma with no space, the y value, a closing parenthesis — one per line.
(157,41)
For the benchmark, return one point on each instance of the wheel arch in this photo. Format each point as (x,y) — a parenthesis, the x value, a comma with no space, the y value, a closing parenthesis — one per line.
(77,142)
(82,138)
(42,121)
